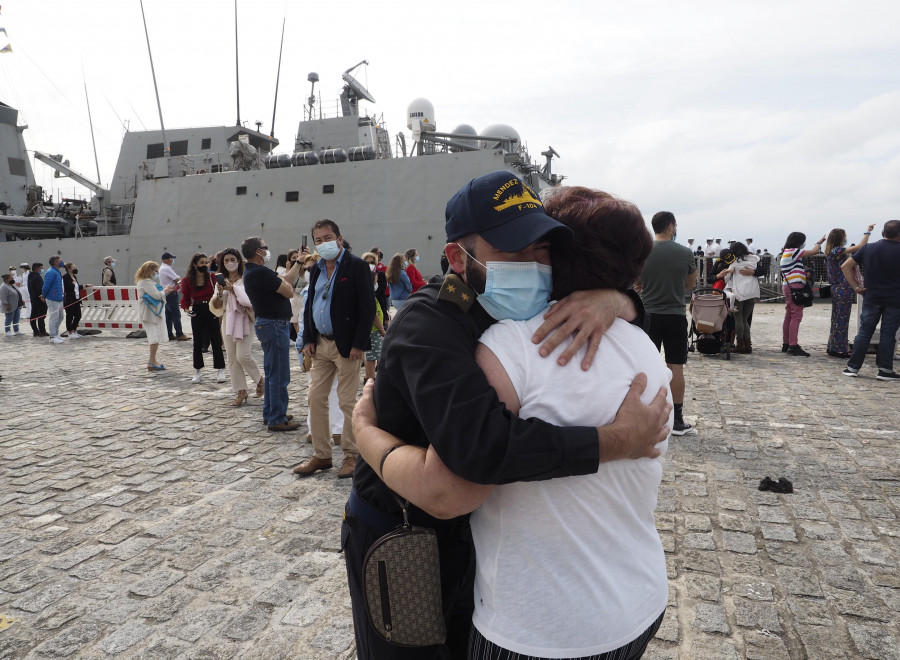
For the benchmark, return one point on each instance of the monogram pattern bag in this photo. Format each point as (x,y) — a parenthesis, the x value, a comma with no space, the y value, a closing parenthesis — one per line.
(402,582)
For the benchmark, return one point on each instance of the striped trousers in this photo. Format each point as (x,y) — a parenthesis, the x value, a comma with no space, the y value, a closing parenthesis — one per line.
(481,649)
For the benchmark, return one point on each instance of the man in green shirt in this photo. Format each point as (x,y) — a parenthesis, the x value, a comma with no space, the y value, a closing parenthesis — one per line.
(670,272)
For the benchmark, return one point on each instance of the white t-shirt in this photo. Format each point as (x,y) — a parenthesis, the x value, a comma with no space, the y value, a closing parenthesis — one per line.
(572,567)
(712,250)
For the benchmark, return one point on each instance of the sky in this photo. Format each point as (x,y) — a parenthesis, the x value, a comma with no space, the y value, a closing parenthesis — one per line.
(745,119)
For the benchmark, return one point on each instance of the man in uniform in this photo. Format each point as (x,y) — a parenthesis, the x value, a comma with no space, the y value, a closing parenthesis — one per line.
(429,390)
(337,319)
(108,275)
(168,277)
(668,275)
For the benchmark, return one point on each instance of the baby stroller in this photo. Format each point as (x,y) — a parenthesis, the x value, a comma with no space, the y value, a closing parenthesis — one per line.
(709,309)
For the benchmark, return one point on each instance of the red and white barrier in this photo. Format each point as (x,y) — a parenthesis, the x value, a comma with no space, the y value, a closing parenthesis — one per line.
(111,307)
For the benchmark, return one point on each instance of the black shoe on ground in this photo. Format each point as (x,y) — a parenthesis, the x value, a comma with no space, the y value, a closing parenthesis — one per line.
(887,375)
(797,350)
(681,428)
(850,371)
(784,348)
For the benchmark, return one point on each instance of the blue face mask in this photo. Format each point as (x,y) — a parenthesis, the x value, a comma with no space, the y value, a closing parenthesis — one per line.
(329,250)
(516,290)
(416,260)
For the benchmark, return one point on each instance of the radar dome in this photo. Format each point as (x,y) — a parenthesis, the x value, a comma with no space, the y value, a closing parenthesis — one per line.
(500,130)
(420,110)
(464,129)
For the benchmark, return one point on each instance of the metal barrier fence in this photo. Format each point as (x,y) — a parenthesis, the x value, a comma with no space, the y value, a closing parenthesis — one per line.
(111,307)
(814,264)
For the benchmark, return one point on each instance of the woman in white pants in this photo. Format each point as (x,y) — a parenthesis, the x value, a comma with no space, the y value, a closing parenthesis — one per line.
(237,318)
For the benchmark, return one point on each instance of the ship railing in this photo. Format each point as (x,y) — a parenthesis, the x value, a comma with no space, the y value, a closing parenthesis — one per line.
(771,279)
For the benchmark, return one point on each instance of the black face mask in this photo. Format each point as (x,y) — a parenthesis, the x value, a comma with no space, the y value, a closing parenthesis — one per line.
(74,271)
(202,269)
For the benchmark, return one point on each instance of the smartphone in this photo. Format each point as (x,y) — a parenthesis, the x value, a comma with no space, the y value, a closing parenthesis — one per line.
(303,240)
(220,278)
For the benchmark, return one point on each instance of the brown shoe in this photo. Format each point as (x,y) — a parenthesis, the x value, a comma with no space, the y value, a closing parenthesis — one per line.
(260,387)
(289,416)
(284,426)
(181,338)
(313,465)
(336,438)
(347,468)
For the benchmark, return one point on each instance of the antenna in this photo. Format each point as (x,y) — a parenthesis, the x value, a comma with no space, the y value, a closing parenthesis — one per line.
(155,88)
(237,78)
(91,123)
(277,78)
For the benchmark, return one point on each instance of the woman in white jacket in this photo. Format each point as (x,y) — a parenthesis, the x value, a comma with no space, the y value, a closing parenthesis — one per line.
(236,322)
(742,281)
(152,299)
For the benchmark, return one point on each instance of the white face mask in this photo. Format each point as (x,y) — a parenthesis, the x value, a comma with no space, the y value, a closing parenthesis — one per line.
(267,256)
(231,266)
(372,267)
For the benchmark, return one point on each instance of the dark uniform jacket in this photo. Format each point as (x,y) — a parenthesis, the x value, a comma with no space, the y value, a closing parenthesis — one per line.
(429,390)
(352,305)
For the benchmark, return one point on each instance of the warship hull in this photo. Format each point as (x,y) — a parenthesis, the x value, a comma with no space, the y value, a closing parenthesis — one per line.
(395,203)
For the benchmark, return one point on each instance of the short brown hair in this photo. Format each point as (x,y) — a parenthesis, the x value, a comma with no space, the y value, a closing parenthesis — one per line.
(611,241)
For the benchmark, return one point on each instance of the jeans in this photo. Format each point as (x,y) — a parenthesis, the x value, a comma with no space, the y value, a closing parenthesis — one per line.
(868,319)
(173,315)
(743,310)
(54,316)
(274,337)
(12,320)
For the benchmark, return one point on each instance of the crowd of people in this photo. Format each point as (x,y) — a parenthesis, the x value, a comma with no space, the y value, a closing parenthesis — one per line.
(479,419)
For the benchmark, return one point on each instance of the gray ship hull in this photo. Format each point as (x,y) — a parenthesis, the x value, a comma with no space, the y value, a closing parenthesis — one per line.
(395,203)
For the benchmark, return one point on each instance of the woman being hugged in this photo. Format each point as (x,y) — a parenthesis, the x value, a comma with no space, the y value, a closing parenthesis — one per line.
(398,280)
(152,299)
(236,321)
(836,251)
(793,276)
(741,279)
(196,292)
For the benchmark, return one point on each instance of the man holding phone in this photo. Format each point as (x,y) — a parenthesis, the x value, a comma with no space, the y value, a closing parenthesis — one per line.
(168,277)
(270,296)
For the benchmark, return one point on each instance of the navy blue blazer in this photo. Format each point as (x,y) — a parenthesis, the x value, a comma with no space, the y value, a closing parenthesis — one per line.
(352,305)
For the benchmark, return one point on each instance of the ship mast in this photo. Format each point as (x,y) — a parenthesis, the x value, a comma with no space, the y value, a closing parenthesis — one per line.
(155,88)
(237,77)
(277,78)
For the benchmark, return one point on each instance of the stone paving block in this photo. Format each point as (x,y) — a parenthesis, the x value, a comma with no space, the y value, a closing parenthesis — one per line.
(808,611)
(739,542)
(759,591)
(875,553)
(758,615)
(699,541)
(799,581)
(36,601)
(711,618)
(19,582)
(874,642)
(131,548)
(69,640)
(249,623)
(124,638)
(712,649)
(778,532)
(156,583)
(844,577)
(787,554)
(702,586)
(73,557)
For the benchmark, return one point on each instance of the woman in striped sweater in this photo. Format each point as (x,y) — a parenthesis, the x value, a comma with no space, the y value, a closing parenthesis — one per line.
(793,276)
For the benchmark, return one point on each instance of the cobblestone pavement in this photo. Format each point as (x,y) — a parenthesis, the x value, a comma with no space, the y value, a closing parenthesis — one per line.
(142,517)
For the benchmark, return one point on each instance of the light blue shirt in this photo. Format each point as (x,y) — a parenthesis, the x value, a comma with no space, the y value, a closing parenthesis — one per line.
(321,304)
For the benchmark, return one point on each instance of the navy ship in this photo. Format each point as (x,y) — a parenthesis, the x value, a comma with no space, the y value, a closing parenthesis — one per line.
(202,189)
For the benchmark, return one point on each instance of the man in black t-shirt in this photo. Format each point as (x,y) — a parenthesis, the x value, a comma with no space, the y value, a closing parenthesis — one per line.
(270,296)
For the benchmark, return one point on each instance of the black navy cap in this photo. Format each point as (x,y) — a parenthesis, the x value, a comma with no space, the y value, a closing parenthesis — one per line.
(503,209)
(168,255)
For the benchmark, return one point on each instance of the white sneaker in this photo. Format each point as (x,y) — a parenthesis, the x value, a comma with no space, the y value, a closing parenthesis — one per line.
(197,376)
(57,340)
(18,332)
(75,335)
(221,377)
(9,334)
